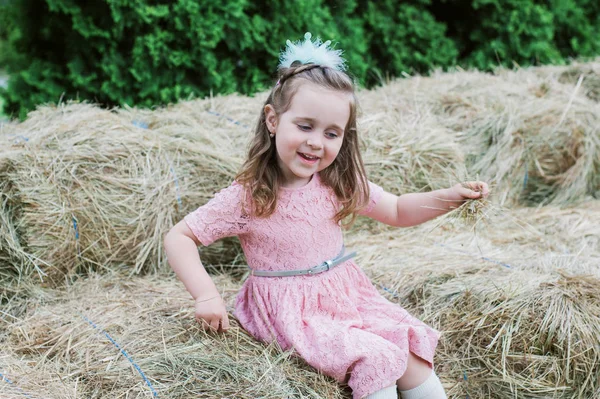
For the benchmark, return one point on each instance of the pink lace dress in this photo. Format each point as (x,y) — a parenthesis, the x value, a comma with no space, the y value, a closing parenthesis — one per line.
(336,321)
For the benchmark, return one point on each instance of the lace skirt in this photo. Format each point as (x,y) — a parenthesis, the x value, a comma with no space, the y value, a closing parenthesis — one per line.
(338,323)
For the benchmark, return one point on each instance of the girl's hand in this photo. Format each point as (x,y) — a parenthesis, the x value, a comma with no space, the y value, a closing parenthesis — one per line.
(471,190)
(212,313)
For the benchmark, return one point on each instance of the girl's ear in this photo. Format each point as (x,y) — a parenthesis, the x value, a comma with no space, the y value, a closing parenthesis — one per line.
(270,118)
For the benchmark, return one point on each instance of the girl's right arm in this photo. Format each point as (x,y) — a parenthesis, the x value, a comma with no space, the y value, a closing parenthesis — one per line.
(181,247)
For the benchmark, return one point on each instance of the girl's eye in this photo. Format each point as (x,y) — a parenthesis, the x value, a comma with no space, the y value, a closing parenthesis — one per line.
(304,127)
(331,135)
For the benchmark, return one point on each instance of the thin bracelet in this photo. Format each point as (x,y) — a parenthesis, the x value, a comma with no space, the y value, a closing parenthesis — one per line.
(204,300)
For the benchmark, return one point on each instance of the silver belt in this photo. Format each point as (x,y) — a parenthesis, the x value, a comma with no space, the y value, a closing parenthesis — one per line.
(323,267)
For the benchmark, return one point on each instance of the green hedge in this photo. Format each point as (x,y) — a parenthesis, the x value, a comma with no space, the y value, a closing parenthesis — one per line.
(492,33)
(150,52)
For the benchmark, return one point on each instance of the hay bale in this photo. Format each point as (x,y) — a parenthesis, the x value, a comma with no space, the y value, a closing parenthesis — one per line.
(517,333)
(517,302)
(406,148)
(14,260)
(151,318)
(590,72)
(571,231)
(535,149)
(536,139)
(96,191)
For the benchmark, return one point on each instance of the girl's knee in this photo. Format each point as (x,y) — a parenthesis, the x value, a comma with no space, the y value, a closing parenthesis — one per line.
(417,371)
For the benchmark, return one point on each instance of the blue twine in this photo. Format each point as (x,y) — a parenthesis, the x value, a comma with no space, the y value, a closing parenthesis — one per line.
(175,180)
(526,178)
(228,118)
(13,384)
(496,262)
(140,124)
(18,137)
(388,290)
(75,227)
(124,354)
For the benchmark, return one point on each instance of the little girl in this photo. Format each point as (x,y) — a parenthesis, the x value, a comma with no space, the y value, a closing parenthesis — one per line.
(304,175)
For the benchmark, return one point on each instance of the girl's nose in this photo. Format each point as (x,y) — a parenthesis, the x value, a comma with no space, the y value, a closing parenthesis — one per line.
(314,143)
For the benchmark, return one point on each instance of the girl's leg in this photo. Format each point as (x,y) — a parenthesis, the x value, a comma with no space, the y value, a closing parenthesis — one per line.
(417,371)
(419,381)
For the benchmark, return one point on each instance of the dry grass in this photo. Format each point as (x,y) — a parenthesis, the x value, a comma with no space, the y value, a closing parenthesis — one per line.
(58,347)
(536,139)
(518,316)
(517,300)
(90,190)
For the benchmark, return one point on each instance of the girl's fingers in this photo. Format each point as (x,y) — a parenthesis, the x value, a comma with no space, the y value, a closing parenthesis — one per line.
(473,194)
(468,192)
(484,188)
(225,323)
(214,324)
(473,185)
(476,189)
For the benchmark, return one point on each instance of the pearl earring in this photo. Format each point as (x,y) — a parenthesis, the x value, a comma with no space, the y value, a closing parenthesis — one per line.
(272,135)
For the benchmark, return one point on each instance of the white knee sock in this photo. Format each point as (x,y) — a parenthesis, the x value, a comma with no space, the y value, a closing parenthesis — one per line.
(431,389)
(385,393)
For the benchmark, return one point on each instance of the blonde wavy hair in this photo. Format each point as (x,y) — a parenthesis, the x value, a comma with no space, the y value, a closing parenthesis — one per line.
(260,174)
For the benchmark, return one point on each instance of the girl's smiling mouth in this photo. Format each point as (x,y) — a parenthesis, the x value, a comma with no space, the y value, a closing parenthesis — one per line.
(308,158)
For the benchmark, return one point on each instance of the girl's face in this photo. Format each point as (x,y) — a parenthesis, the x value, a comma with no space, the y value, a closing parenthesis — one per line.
(309,135)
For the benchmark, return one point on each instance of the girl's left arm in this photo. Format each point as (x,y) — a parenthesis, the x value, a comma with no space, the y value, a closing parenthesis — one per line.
(416,208)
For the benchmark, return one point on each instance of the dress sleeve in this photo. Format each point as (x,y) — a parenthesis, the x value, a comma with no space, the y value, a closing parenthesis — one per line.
(375,193)
(223,216)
